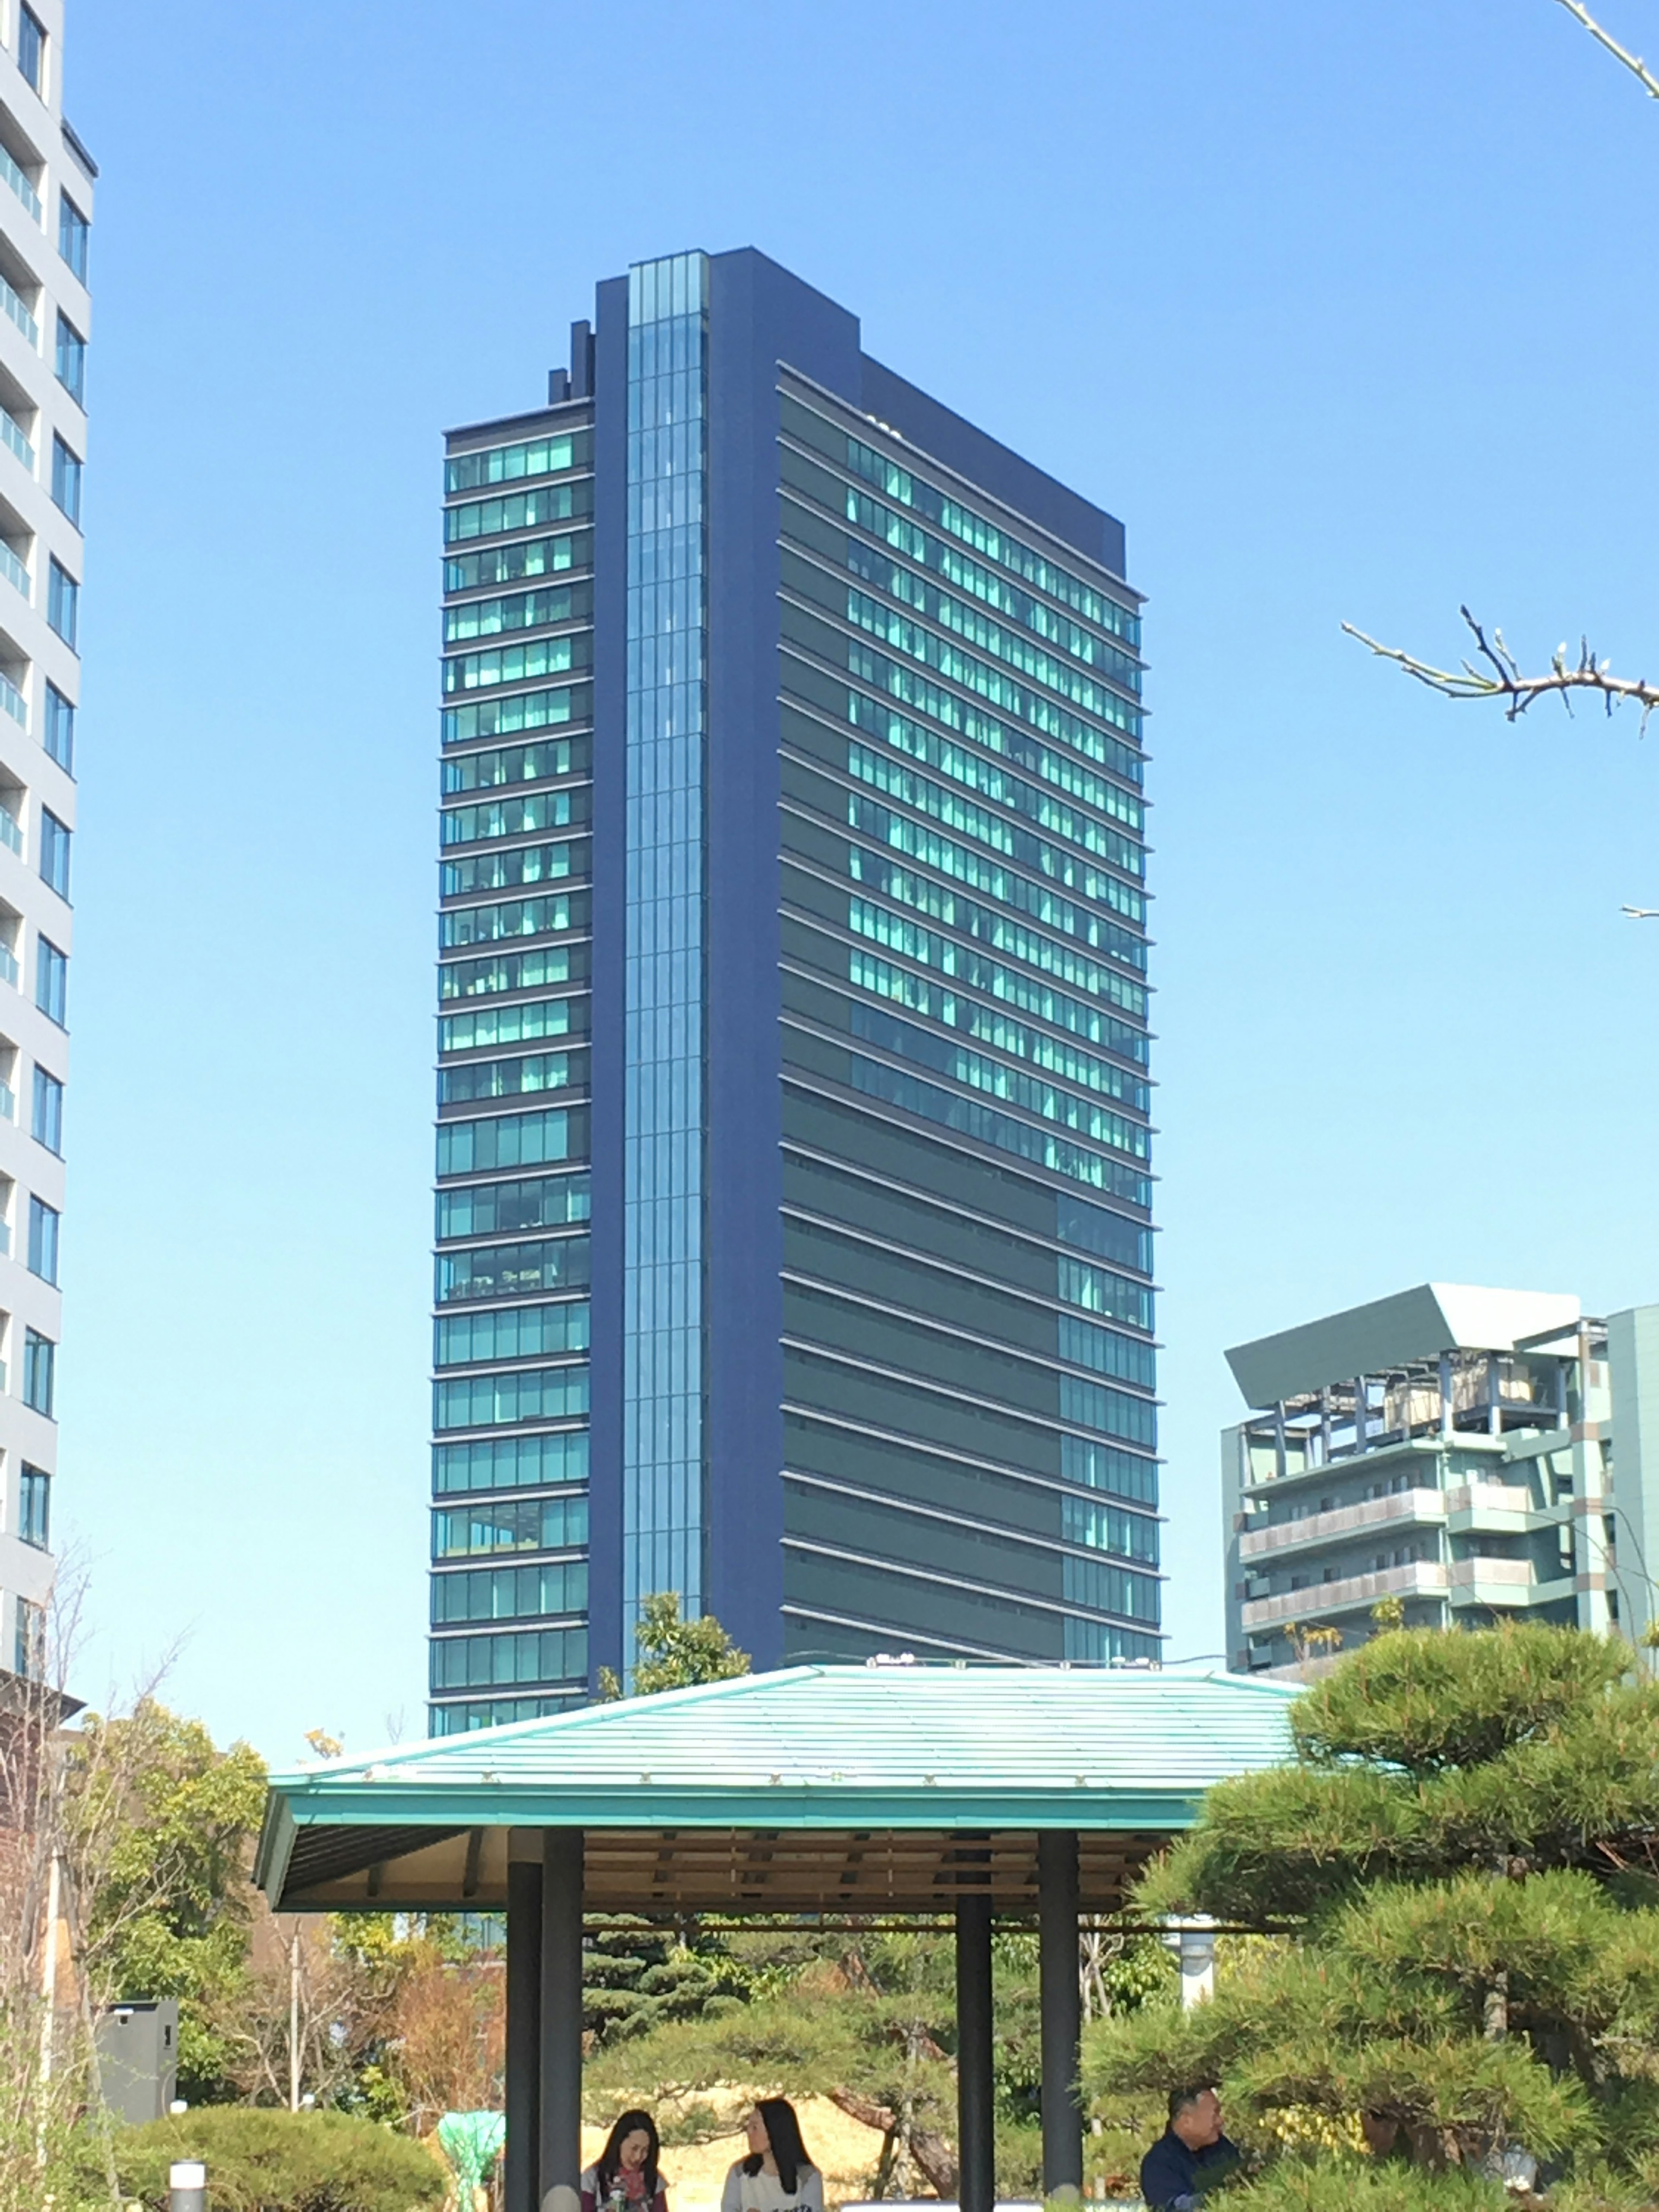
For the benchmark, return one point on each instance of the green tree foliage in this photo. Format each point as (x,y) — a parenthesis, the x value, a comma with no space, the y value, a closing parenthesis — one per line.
(674,1653)
(159,1824)
(265,2162)
(1462,1863)
(636,1977)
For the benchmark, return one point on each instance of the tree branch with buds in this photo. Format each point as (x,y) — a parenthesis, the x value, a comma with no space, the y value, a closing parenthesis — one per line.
(1495,673)
(1638,68)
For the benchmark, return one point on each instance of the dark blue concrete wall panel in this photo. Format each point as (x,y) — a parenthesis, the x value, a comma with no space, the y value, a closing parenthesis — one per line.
(759,315)
(610,885)
(949,439)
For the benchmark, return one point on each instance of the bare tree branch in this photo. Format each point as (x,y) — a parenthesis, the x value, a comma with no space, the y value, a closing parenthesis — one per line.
(1495,673)
(1638,68)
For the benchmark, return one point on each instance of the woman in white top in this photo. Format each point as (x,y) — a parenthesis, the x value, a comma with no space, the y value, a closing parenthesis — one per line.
(777,2176)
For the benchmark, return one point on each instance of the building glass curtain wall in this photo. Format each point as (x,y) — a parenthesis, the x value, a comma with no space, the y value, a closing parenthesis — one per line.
(663,1502)
(794,1235)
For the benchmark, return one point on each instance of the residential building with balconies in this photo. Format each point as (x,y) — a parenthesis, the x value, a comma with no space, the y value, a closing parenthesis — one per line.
(1453,1456)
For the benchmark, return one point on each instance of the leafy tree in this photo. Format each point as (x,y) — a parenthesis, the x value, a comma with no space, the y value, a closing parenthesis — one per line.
(636,1977)
(1463,1862)
(159,1824)
(264,2161)
(676,1654)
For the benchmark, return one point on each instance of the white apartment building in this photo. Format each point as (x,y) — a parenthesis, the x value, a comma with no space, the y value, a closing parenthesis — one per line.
(46,185)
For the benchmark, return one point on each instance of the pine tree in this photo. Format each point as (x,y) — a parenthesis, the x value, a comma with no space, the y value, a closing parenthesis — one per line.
(1462,1869)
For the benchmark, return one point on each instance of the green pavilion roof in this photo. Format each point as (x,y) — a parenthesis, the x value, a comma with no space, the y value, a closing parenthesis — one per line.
(816,1788)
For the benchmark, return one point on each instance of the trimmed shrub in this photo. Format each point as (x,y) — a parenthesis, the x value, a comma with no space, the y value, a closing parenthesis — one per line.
(259,2160)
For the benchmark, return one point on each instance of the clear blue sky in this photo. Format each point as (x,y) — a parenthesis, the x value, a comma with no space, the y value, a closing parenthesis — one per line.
(1348,311)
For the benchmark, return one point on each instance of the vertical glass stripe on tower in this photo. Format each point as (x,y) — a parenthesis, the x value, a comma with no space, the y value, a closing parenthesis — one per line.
(662,1485)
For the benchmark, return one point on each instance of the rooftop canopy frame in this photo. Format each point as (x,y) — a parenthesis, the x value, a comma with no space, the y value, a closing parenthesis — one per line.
(883,1792)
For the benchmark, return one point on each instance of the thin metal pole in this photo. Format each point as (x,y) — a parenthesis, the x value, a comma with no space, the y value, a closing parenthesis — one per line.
(523,2014)
(187,2186)
(562,2019)
(976,2135)
(1061,2005)
(294,2021)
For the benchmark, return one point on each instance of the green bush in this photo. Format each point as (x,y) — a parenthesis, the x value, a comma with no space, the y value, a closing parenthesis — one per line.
(267,2162)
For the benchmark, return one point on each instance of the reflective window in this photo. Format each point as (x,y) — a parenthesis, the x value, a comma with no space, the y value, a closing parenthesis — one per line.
(510,1079)
(44,1221)
(533,1394)
(548,1655)
(55,836)
(71,360)
(509,1593)
(519,864)
(1092,1229)
(1096,1405)
(1111,1589)
(519,1025)
(46,1125)
(1096,1290)
(1103,1467)
(51,981)
(32,48)
(516,764)
(505,564)
(532,917)
(39,1371)
(515,817)
(918,842)
(513,1271)
(1107,1529)
(987,826)
(522,710)
(59,734)
(1095,1643)
(486,1209)
(512,1140)
(522,611)
(511,1524)
(534,456)
(524,510)
(510,1333)
(62,602)
(509,1462)
(66,479)
(35,1506)
(73,235)
(1085,1344)
(513,971)
(516,664)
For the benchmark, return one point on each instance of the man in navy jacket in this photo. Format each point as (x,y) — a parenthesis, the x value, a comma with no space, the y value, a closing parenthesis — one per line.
(1190,2156)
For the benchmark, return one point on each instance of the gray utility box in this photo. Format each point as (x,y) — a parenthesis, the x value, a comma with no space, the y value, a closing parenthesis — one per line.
(138,2057)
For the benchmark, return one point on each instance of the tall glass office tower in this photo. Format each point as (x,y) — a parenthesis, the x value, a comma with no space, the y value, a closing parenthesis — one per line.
(793,1206)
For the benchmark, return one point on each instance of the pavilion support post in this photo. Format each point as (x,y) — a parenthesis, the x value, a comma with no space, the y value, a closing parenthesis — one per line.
(976,2138)
(1062,2014)
(522,2155)
(562,2019)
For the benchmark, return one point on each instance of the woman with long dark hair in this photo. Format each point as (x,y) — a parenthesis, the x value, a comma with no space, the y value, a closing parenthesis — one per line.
(625,2177)
(777,2176)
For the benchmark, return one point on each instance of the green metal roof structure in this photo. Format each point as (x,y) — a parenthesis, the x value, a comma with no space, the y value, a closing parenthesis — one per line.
(816,1788)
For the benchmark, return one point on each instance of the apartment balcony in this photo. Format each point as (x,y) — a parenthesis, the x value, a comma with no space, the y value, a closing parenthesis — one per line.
(12,436)
(11,303)
(1315,1531)
(1493,1509)
(1354,1594)
(19,183)
(1504,1582)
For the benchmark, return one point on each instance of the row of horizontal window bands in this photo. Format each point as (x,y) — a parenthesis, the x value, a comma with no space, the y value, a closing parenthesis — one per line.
(550,451)
(503,668)
(827,925)
(891,1269)
(1024,809)
(517,867)
(504,513)
(1047,1029)
(501,1024)
(841,1039)
(517,561)
(819,424)
(987,1566)
(1115,1594)
(520,1660)
(862,535)
(498,819)
(860,1131)
(1033,1371)
(529,610)
(939,1611)
(1049,790)
(557,1522)
(841,1449)
(549,1590)
(814,1634)
(897,1525)
(973,855)
(1095,720)
(945,536)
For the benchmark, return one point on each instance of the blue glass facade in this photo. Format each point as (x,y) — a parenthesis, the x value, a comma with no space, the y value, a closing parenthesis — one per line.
(794,1218)
(663,1486)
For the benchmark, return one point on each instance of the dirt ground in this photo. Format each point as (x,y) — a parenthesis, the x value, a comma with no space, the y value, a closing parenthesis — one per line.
(843,2149)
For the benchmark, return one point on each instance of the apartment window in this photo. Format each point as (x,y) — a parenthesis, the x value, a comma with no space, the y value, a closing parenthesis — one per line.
(73,235)
(51,981)
(60,728)
(55,852)
(32,48)
(62,603)
(46,1124)
(71,360)
(35,1506)
(44,1221)
(28,1655)
(66,480)
(39,1371)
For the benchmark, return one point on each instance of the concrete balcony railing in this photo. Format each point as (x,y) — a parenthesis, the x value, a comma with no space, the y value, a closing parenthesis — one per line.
(1428,1506)
(1499,1506)
(1491,1582)
(1354,1593)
